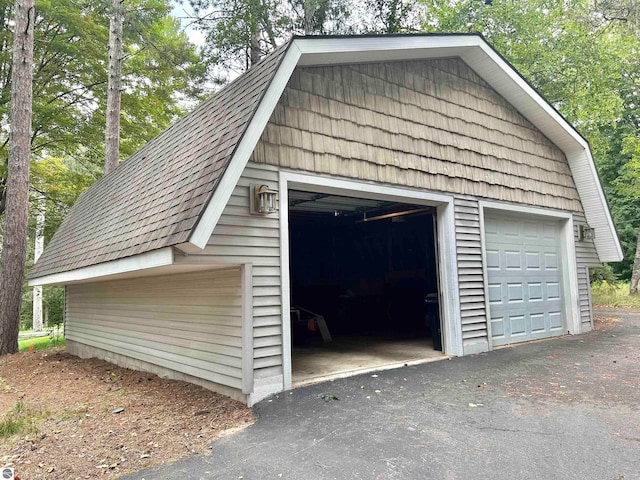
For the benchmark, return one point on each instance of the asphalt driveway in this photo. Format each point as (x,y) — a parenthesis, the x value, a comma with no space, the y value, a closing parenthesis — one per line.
(567,408)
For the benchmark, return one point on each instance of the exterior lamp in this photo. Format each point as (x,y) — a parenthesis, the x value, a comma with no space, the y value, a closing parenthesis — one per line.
(586,233)
(265,200)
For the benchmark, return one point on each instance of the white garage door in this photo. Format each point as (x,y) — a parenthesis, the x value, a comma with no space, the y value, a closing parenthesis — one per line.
(524,278)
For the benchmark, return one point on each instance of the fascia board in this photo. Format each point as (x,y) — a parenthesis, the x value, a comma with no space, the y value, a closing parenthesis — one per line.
(596,209)
(331,51)
(201,234)
(154,259)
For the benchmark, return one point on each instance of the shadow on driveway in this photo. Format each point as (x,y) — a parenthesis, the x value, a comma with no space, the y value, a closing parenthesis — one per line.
(566,408)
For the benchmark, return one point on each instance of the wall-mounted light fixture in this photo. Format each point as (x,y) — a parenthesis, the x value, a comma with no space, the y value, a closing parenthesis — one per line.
(586,233)
(264,200)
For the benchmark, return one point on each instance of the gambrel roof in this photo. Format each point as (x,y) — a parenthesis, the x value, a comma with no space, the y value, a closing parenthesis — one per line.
(172,191)
(154,198)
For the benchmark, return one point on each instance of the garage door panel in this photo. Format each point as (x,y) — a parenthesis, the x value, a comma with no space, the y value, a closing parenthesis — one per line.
(493,259)
(535,291)
(512,260)
(533,261)
(556,321)
(551,261)
(524,279)
(497,327)
(538,322)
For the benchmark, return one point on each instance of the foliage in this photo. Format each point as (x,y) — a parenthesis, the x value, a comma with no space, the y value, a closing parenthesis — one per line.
(41,343)
(393,16)
(161,68)
(600,274)
(52,306)
(240,32)
(61,181)
(606,294)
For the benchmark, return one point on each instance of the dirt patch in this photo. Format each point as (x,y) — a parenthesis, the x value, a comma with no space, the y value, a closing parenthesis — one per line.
(77,435)
(603,322)
(600,367)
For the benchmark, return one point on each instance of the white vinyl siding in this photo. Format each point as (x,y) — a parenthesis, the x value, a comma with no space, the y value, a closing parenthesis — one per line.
(586,257)
(241,238)
(189,323)
(470,275)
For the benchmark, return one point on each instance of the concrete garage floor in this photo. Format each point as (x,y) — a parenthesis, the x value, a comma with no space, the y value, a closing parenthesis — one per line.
(565,408)
(352,355)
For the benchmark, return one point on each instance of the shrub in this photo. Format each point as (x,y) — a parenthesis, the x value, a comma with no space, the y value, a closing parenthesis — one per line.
(606,294)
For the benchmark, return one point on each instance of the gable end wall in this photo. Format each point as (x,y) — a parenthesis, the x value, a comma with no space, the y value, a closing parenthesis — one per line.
(433,125)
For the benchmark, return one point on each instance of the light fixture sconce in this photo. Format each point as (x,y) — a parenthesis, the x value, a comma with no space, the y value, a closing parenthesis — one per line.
(586,233)
(264,200)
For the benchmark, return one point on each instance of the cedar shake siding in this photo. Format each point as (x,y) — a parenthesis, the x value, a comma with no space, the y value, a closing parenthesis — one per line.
(430,124)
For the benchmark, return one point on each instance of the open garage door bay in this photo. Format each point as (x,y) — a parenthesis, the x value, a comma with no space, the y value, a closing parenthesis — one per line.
(523,259)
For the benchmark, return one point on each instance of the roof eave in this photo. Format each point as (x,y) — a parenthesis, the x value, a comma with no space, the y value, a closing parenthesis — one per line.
(154,259)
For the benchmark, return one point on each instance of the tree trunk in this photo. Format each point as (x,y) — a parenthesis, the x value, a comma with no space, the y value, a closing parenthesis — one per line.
(37,251)
(255,52)
(112,134)
(309,7)
(15,234)
(634,289)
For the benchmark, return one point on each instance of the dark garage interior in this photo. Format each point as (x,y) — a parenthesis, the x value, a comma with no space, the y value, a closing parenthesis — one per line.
(367,268)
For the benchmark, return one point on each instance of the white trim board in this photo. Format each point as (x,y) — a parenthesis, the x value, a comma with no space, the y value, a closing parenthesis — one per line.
(571,305)
(513,208)
(200,236)
(154,259)
(246,275)
(285,285)
(446,251)
(354,188)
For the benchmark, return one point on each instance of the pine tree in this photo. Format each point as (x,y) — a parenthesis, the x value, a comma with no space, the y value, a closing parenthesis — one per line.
(17,203)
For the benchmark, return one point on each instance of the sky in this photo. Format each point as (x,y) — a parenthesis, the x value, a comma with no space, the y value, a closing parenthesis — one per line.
(182,11)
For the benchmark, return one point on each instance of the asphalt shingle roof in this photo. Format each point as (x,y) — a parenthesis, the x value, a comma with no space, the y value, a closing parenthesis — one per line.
(155,198)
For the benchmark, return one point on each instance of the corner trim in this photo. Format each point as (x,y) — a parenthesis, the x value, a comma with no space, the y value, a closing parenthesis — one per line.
(285,287)
(246,275)
(451,324)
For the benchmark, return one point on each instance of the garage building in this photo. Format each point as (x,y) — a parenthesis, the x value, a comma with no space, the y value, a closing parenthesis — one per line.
(348,204)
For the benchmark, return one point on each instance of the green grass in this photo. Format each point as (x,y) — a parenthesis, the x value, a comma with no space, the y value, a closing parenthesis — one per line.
(607,294)
(40,343)
(18,420)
